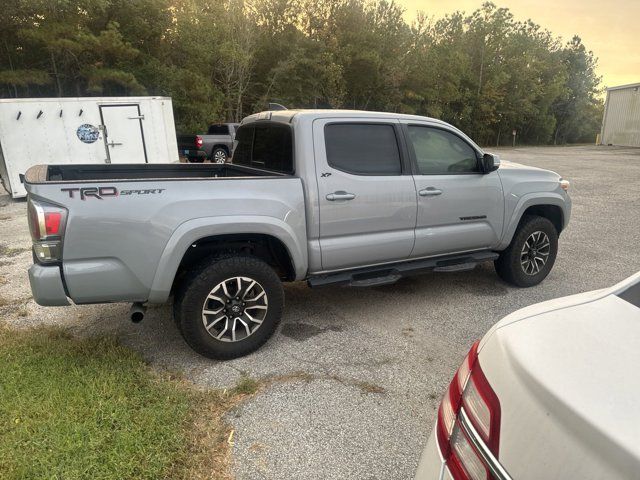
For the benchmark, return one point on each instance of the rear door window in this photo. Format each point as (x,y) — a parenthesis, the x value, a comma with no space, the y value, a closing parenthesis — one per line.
(268,146)
(363,148)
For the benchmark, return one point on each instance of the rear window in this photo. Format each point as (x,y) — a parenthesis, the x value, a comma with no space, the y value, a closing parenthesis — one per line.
(218,130)
(363,149)
(264,145)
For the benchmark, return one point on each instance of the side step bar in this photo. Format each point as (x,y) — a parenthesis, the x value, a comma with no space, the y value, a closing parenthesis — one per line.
(387,274)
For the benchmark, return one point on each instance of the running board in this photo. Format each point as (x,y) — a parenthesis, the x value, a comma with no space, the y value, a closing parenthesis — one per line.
(388,274)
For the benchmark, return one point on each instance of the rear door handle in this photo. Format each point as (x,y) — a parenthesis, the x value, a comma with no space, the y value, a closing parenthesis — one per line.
(430,192)
(341,195)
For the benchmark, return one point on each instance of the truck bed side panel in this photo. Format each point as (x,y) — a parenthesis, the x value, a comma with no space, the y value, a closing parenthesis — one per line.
(113,245)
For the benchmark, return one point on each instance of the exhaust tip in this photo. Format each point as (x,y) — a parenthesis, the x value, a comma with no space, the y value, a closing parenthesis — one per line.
(137,312)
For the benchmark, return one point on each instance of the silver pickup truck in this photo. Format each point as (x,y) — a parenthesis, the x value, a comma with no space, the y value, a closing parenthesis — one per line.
(330,197)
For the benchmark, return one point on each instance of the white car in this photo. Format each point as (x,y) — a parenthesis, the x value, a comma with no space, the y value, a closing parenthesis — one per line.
(551,391)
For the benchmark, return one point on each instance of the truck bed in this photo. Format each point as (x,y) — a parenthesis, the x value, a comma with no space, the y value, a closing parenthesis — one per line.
(135,172)
(127,224)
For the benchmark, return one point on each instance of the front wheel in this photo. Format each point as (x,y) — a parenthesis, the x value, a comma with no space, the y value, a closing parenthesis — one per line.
(531,255)
(230,307)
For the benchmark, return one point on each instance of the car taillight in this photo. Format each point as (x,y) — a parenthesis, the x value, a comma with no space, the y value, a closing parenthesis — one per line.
(198,141)
(469,391)
(46,224)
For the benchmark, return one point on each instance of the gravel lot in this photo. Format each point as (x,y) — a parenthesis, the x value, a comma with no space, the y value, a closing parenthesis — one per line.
(356,375)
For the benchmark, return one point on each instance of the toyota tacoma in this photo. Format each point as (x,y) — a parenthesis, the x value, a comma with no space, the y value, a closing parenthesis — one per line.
(331,197)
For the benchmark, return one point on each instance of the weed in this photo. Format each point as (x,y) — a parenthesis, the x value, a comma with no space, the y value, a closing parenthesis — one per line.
(246,386)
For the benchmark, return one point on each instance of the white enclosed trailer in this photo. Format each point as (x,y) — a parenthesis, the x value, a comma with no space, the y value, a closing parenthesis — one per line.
(83,130)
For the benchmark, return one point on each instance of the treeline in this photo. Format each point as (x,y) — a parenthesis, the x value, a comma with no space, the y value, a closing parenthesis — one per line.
(485,72)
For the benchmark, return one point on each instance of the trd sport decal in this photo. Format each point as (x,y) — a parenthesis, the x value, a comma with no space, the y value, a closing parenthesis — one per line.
(102,192)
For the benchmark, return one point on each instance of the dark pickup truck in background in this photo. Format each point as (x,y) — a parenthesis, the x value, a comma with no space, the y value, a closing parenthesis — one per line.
(216,145)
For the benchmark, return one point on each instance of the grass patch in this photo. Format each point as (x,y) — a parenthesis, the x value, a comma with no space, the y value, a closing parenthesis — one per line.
(246,386)
(90,408)
(363,386)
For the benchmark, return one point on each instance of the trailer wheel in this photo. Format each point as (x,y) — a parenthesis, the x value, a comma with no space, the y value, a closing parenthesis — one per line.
(229,307)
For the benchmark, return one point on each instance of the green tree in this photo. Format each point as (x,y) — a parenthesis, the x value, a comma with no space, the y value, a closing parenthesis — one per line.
(485,72)
(578,110)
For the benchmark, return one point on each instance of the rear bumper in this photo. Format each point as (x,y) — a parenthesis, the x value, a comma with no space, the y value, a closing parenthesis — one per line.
(193,153)
(46,286)
(432,466)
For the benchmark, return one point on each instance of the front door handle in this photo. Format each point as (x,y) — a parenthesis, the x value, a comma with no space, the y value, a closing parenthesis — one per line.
(430,192)
(341,195)
(113,144)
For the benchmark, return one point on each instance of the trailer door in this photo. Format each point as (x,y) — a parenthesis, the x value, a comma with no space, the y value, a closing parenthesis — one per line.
(123,133)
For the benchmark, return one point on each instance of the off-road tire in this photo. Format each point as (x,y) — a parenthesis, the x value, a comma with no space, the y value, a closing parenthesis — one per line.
(509,266)
(197,285)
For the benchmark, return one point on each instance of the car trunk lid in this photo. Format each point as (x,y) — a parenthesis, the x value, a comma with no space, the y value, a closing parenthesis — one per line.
(568,388)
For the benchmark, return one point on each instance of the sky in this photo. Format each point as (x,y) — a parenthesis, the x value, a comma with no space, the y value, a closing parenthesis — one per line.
(610,28)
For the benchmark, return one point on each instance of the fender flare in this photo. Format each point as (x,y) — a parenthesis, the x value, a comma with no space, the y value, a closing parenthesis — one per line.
(530,200)
(193,230)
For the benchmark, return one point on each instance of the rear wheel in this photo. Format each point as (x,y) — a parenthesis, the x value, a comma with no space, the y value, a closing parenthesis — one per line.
(230,307)
(219,155)
(531,255)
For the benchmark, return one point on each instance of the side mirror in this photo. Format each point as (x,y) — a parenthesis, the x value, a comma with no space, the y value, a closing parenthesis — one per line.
(490,163)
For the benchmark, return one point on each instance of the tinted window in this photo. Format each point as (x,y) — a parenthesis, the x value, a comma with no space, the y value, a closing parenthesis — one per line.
(218,130)
(266,146)
(243,145)
(441,152)
(363,149)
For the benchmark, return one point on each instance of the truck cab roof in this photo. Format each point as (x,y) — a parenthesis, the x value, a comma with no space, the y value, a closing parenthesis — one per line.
(288,116)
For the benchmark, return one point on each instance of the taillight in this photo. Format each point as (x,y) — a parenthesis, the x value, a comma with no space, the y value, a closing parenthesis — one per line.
(198,141)
(469,391)
(46,224)
(52,223)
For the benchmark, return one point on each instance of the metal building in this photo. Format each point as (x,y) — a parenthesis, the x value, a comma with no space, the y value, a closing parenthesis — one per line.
(621,121)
